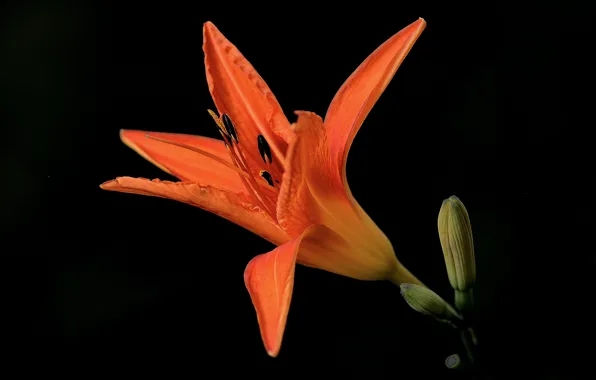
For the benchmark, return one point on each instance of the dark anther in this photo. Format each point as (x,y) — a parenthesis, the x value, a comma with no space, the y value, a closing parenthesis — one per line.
(229,127)
(226,139)
(264,149)
(265,174)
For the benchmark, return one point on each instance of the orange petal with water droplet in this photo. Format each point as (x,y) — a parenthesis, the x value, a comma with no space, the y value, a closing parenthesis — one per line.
(233,207)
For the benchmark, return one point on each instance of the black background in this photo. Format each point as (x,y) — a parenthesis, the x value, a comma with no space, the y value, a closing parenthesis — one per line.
(489,105)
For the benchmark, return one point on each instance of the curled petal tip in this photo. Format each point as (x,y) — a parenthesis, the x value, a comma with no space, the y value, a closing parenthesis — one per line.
(107,185)
(418,25)
(273,353)
(301,113)
(209,29)
(114,184)
(420,22)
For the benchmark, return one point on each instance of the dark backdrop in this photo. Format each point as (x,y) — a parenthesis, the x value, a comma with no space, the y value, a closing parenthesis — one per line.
(489,106)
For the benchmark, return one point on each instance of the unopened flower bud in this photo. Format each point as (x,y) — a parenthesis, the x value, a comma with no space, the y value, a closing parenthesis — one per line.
(455,233)
(427,302)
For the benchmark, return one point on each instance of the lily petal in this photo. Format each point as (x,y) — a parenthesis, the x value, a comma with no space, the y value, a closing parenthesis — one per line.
(239,91)
(311,187)
(312,192)
(183,163)
(362,89)
(269,279)
(233,207)
(332,253)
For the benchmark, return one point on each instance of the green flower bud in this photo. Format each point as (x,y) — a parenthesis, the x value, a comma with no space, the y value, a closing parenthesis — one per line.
(455,233)
(427,302)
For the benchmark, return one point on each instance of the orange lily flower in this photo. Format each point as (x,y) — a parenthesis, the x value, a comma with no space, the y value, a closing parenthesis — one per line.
(285,182)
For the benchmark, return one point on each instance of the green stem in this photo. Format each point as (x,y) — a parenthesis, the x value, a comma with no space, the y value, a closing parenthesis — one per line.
(473,336)
(464,300)
(467,340)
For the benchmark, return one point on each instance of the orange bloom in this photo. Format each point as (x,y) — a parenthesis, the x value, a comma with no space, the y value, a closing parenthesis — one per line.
(285,182)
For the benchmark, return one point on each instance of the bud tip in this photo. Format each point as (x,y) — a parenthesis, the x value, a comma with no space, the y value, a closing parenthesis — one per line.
(404,287)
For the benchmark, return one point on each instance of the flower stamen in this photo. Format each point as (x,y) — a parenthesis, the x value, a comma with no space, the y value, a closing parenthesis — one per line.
(221,128)
(264,149)
(267,177)
(228,132)
(227,122)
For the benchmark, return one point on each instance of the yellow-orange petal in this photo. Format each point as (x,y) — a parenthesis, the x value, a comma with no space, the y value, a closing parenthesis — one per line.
(312,192)
(240,92)
(269,279)
(183,163)
(362,89)
(332,252)
(233,207)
